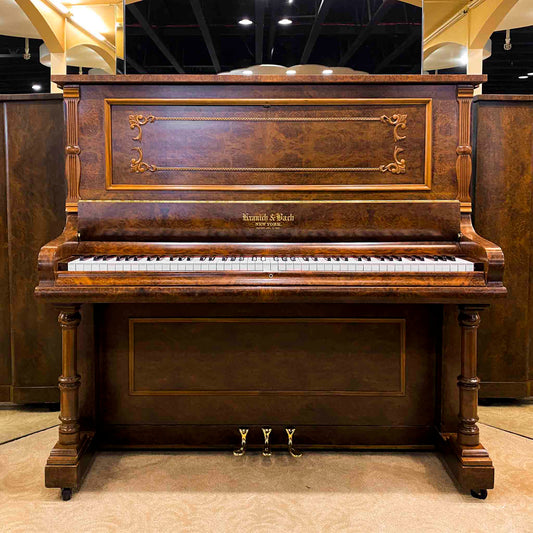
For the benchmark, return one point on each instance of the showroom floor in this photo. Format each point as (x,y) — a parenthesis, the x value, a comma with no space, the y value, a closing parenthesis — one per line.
(216,492)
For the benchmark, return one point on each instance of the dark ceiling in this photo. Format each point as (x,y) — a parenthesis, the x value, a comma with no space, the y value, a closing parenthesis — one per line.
(203,36)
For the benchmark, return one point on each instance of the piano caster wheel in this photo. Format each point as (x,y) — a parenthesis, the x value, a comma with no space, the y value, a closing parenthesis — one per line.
(267,452)
(480,494)
(292,450)
(66,494)
(242,450)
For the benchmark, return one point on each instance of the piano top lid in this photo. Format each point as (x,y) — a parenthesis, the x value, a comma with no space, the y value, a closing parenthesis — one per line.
(162,79)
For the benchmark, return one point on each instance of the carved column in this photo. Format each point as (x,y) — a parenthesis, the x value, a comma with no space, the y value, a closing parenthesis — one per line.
(468,382)
(463,164)
(69,381)
(71,96)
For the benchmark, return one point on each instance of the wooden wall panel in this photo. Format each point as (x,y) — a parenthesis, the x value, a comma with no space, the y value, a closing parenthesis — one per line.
(503,213)
(5,327)
(35,196)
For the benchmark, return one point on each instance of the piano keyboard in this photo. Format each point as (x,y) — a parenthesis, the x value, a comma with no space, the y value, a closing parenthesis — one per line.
(399,263)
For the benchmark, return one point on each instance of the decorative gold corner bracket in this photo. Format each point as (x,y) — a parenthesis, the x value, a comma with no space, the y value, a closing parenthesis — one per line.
(137,121)
(399,122)
(398,166)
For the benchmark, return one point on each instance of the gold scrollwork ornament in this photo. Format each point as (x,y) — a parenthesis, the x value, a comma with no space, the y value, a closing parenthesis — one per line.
(137,121)
(398,167)
(399,122)
(138,165)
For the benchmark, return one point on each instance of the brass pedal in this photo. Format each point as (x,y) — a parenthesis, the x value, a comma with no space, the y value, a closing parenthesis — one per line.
(267,452)
(242,450)
(292,450)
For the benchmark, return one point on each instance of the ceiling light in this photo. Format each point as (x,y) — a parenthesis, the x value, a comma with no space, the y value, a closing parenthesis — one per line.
(247,72)
(245,21)
(285,21)
(36,87)
(327,72)
(530,73)
(290,72)
(290,1)
(522,77)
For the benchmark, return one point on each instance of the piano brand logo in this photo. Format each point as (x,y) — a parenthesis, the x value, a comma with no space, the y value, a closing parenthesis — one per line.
(268,220)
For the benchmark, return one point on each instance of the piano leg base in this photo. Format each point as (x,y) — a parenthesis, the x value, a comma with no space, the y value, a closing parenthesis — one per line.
(67,464)
(470,467)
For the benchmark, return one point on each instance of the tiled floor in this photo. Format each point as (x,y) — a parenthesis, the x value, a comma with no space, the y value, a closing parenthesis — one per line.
(321,492)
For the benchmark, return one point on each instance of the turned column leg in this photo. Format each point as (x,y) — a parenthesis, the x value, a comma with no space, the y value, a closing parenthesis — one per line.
(69,381)
(468,382)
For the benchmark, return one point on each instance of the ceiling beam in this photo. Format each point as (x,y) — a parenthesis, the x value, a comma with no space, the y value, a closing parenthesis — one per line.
(139,68)
(376,18)
(206,34)
(273,25)
(315,30)
(398,51)
(134,10)
(259,30)
(300,30)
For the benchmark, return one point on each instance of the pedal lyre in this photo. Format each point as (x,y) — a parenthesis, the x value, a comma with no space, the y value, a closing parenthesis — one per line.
(267,452)
(292,450)
(242,450)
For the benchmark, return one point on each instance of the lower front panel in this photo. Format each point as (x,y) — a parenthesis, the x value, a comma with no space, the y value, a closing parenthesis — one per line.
(342,375)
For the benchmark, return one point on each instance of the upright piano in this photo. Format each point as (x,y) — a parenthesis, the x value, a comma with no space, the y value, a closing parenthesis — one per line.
(269,264)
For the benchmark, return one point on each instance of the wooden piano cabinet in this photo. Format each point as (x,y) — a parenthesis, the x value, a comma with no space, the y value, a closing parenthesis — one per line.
(32,197)
(325,168)
(503,213)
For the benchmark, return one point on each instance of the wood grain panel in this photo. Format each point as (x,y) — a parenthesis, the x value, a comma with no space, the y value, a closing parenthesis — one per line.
(35,195)
(327,221)
(244,356)
(93,147)
(361,356)
(268,144)
(5,321)
(503,212)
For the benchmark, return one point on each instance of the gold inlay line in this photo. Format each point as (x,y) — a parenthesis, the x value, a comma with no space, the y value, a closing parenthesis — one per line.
(399,121)
(277,119)
(273,202)
(225,392)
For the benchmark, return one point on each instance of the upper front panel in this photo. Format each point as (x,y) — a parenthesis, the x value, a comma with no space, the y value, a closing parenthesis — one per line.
(347,161)
(271,144)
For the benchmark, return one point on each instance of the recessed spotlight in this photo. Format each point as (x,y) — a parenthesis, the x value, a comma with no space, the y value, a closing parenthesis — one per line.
(290,1)
(327,72)
(245,21)
(36,87)
(290,72)
(247,72)
(522,77)
(285,21)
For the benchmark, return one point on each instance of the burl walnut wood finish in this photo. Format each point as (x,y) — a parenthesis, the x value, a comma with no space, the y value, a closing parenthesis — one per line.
(32,196)
(503,211)
(350,360)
